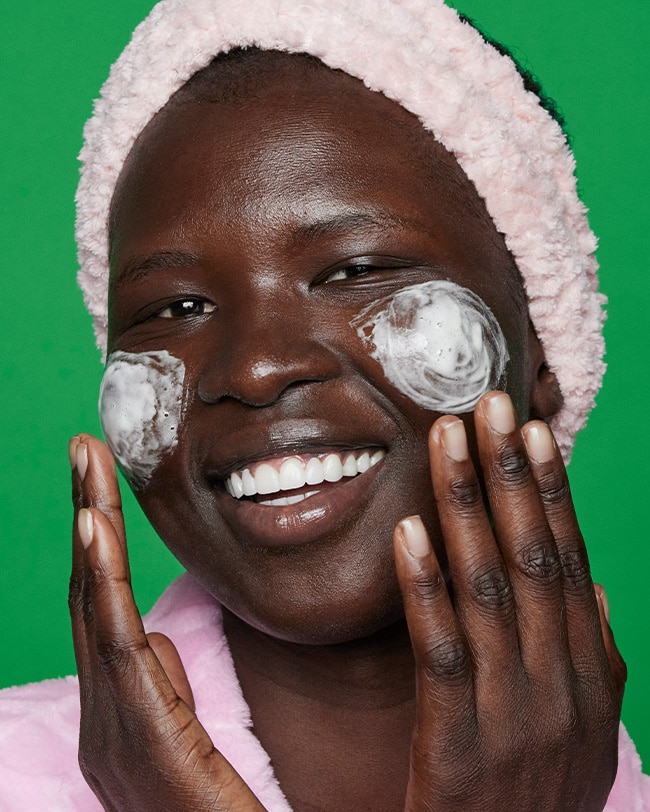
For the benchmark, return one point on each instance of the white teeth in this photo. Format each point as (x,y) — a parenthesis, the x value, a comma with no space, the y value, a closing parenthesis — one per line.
(363,463)
(267,479)
(248,482)
(350,466)
(292,475)
(314,472)
(285,501)
(295,474)
(333,468)
(236,486)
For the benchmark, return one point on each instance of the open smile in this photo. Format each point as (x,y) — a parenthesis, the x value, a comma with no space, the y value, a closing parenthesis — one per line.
(295,476)
(291,500)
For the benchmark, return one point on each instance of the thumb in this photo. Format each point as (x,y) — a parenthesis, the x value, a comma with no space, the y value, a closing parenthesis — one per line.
(170,660)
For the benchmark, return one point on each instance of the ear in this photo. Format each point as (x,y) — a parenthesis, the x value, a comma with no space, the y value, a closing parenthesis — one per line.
(545,397)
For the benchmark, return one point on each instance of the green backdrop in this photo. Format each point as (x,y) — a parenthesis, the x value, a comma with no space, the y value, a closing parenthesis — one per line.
(593,58)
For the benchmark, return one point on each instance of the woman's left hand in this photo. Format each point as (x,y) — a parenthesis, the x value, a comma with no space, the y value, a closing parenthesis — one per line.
(519,681)
(141,746)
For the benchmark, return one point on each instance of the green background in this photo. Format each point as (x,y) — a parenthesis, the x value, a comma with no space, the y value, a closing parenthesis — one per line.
(592,57)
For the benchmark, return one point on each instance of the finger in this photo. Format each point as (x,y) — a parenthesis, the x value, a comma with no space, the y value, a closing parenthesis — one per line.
(172,664)
(586,641)
(78,614)
(100,485)
(616,661)
(121,648)
(442,656)
(525,540)
(603,600)
(147,703)
(483,596)
(95,484)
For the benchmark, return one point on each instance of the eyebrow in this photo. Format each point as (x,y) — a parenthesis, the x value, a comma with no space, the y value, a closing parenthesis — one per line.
(160,261)
(140,267)
(340,223)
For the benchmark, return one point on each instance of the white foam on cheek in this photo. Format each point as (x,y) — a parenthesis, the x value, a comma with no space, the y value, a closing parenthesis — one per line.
(140,409)
(438,343)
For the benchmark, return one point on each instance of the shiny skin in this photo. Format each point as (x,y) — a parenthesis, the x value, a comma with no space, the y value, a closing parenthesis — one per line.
(272,199)
(472,671)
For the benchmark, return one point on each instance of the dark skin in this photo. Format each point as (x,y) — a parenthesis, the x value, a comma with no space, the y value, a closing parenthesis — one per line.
(279,216)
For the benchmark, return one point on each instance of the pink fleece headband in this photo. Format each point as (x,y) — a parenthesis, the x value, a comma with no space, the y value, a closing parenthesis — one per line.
(420,54)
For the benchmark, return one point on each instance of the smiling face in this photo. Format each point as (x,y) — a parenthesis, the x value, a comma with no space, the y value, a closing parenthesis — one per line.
(248,233)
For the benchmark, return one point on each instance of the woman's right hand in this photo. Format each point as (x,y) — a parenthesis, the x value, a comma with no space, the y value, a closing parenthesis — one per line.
(141,745)
(519,680)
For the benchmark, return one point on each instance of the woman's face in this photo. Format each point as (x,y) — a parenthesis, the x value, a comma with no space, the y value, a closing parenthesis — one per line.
(247,235)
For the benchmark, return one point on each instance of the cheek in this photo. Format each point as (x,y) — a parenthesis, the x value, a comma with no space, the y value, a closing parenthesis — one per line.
(140,409)
(438,343)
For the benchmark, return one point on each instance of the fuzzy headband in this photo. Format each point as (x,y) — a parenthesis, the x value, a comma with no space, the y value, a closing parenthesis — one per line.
(420,54)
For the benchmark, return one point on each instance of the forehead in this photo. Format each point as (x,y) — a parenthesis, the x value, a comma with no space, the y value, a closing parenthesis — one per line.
(278,140)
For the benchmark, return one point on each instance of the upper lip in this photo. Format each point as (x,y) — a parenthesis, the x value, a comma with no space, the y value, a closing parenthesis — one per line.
(281,438)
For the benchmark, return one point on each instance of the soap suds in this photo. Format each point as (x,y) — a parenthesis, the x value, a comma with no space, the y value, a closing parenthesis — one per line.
(140,409)
(438,343)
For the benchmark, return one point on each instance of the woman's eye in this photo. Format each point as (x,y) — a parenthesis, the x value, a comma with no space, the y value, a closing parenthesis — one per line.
(186,307)
(350,272)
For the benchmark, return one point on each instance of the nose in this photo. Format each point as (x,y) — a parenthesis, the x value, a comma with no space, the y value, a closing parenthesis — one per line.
(265,351)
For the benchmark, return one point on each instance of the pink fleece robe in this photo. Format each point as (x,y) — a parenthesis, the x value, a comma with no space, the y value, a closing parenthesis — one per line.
(39,723)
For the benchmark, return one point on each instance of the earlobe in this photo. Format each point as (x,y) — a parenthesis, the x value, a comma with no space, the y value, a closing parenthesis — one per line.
(545,395)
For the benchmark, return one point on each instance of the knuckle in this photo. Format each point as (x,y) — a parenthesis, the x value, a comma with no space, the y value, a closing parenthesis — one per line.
(109,507)
(464,495)
(511,466)
(426,589)
(575,569)
(604,692)
(490,587)
(566,726)
(115,657)
(540,562)
(609,711)
(553,489)
(101,580)
(447,659)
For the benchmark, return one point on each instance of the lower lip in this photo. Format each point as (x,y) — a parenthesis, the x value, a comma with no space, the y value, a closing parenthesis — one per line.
(311,520)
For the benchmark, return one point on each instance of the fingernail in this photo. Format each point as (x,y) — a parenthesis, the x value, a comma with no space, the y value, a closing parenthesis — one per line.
(85,526)
(72,452)
(415,536)
(500,414)
(539,442)
(82,460)
(454,440)
(602,597)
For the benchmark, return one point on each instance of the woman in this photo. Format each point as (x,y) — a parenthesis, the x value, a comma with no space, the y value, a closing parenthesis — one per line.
(302,279)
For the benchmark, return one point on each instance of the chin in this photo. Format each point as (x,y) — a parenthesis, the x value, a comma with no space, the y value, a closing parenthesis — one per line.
(332,616)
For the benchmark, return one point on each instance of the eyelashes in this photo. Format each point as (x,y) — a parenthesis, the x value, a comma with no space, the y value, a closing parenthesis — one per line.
(353,271)
(186,308)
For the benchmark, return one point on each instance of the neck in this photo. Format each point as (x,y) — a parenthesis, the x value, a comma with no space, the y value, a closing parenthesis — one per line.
(375,671)
(336,720)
